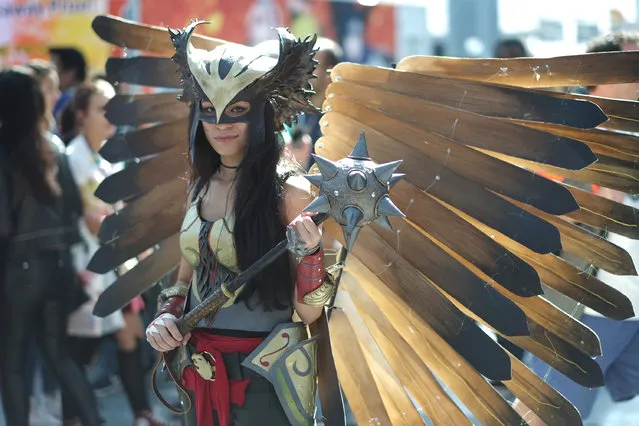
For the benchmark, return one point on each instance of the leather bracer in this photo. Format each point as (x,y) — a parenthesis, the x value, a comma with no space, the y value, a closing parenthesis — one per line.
(171,301)
(313,288)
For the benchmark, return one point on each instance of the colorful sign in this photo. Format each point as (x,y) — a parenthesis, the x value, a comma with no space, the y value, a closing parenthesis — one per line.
(28,28)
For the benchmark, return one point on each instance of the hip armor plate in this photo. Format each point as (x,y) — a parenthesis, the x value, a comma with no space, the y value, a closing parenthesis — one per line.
(288,359)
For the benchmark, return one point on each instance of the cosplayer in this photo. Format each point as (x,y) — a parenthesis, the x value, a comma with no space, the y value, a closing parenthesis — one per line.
(241,203)
(479,236)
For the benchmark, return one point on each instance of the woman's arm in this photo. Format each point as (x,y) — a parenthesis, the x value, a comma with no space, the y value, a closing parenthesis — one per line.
(162,333)
(307,313)
(95,211)
(185,273)
(171,299)
(296,197)
(179,289)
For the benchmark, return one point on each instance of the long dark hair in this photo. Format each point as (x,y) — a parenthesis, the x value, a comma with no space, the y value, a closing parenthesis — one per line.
(258,209)
(22,144)
(42,69)
(68,126)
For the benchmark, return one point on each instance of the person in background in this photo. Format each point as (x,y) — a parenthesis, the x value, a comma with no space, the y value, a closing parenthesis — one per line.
(47,77)
(619,339)
(85,128)
(301,138)
(36,279)
(72,71)
(329,54)
(511,48)
(299,146)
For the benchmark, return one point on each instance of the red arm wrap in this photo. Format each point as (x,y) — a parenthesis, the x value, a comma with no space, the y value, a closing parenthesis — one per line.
(310,274)
(173,305)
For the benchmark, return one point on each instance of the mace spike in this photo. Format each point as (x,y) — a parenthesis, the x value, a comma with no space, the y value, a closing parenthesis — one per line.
(327,168)
(385,171)
(360,151)
(384,222)
(315,180)
(395,177)
(319,205)
(352,216)
(385,207)
(350,236)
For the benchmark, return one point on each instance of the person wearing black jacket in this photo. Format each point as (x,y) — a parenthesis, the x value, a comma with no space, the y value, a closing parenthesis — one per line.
(36,228)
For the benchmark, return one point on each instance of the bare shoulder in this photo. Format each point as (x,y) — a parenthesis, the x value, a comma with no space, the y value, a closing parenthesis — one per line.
(297,195)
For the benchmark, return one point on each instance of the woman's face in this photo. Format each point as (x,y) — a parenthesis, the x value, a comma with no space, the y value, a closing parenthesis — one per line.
(95,126)
(230,139)
(50,87)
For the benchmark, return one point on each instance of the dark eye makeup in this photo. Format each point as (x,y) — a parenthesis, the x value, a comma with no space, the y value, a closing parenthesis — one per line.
(238,109)
(207,109)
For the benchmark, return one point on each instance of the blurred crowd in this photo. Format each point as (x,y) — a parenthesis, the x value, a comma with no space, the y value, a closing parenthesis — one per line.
(52,126)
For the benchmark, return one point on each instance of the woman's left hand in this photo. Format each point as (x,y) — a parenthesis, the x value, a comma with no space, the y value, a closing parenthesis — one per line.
(308,232)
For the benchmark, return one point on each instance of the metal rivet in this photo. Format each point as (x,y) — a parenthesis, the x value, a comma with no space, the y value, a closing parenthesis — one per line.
(25,265)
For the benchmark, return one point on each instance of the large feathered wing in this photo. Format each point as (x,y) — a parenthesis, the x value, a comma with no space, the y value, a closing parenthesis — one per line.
(481,221)
(484,226)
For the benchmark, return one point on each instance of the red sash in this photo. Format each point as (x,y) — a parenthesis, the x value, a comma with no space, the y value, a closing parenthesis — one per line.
(220,393)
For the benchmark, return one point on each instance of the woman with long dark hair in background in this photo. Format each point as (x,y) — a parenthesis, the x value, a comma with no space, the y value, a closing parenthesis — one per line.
(35,277)
(47,409)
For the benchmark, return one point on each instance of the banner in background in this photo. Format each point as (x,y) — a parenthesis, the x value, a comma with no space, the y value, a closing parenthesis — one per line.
(367,34)
(28,28)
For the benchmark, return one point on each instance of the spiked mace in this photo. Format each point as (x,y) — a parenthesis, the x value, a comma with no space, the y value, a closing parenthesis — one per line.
(352,191)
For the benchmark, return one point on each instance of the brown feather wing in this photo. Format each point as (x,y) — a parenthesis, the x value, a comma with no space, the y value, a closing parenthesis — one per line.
(482,227)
